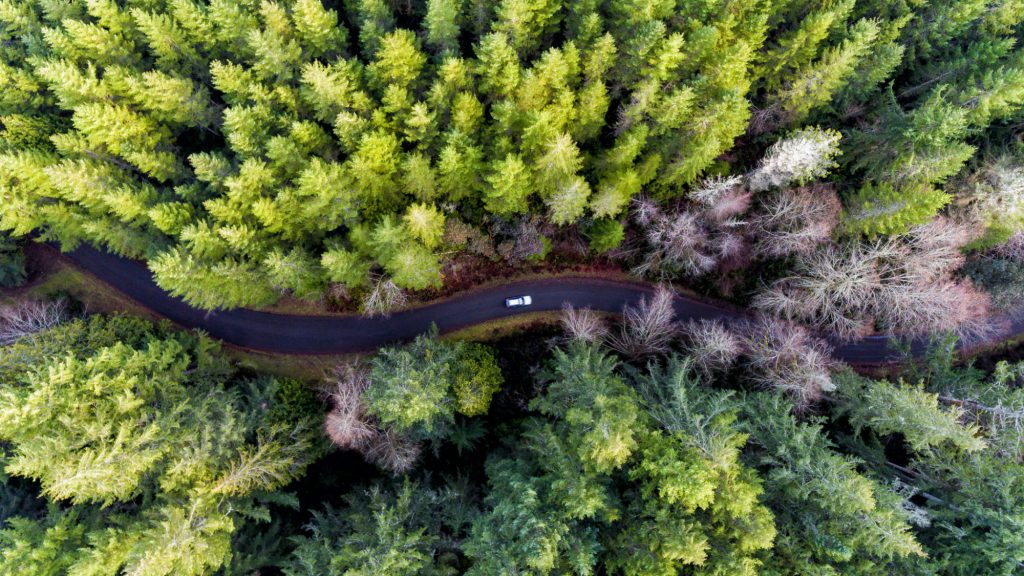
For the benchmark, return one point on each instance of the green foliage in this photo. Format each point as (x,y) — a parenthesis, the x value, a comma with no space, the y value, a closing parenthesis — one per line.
(597,484)
(12,263)
(830,517)
(381,532)
(586,393)
(227,284)
(605,235)
(884,208)
(152,452)
(425,224)
(239,144)
(965,448)
(416,389)
(476,380)
(890,408)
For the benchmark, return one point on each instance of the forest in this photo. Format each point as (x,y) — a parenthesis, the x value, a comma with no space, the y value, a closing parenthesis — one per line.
(365,152)
(649,446)
(839,168)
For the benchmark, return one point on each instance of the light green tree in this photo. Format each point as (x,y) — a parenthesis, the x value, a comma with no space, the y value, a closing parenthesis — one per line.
(425,223)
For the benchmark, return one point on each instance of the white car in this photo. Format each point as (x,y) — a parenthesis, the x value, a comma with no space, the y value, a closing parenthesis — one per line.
(520,301)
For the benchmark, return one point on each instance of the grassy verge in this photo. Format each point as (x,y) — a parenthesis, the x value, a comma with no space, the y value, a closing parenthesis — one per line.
(302,367)
(502,327)
(494,329)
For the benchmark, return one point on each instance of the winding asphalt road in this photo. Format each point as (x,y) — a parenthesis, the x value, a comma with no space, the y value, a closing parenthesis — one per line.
(297,334)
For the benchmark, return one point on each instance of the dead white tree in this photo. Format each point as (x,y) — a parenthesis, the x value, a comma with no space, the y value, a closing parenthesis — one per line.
(805,155)
(648,328)
(710,190)
(27,317)
(583,324)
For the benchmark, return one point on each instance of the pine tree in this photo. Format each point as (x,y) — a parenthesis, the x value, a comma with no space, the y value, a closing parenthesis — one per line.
(409,387)
(390,531)
(827,513)
(882,209)
(443,21)
(605,235)
(817,85)
(137,465)
(211,286)
(510,186)
(345,266)
(295,271)
(425,223)
(415,267)
(317,28)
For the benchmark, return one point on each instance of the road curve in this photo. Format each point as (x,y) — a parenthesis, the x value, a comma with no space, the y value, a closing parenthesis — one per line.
(296,334)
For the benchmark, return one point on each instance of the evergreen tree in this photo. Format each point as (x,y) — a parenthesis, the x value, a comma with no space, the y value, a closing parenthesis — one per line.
(827,513)
(223,284)
(12,263)
(153,471)
(416,389)
(390,532)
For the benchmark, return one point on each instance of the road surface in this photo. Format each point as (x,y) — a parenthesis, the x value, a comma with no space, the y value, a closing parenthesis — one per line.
(297,334)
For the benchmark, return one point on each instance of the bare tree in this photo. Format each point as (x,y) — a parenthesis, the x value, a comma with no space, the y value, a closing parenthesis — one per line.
(677,243)
(583,324)
(711,345)
(784,356)
(833,290)
(392,452)
(647,328)
(28,317)
(697,239)
(349,427)
(795,221)
(347,424)
(384,298)
(933,251)
(730,205)
(905,285)
(937,306)
(711,189)
(731,249)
